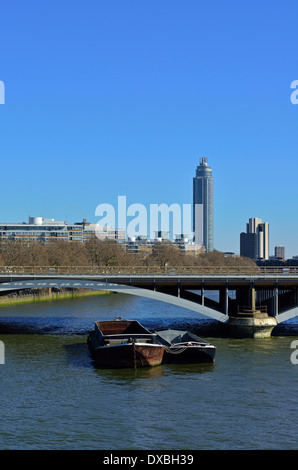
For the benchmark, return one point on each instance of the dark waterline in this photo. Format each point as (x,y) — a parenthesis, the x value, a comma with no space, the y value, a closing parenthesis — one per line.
(54,398)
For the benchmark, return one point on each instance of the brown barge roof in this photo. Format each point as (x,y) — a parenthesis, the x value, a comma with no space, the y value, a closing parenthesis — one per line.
(114,327)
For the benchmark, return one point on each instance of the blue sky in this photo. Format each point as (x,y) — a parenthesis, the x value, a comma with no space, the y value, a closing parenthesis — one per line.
(106,98)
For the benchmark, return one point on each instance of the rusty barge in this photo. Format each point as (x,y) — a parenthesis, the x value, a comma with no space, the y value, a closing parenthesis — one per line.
(123,344)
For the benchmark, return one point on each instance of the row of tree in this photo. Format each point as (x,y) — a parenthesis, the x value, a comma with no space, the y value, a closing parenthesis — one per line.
(107,253)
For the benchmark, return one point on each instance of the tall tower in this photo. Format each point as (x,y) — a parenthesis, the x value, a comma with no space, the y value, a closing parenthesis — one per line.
(203,206)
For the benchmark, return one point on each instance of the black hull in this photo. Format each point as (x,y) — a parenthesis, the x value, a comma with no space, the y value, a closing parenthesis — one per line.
(189,355)
(183,347)
(129,355)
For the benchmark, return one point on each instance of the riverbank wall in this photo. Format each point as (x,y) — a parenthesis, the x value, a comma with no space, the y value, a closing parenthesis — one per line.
(44,295)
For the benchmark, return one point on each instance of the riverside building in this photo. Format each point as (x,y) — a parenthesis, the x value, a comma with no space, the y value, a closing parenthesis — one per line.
(203,201)
(46,230)
(142,245)
(41,230)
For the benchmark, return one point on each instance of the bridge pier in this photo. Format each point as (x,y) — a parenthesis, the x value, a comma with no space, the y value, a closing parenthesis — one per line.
(224,299)
(255,325)
(275,300)
(251,321)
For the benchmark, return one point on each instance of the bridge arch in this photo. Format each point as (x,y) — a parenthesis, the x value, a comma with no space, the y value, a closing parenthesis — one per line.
(287,315)
(107,286)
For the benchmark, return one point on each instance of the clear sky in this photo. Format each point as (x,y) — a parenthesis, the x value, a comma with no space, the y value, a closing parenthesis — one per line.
(111,97)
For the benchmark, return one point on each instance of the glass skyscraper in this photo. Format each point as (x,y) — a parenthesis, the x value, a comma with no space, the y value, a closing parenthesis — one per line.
(203,226)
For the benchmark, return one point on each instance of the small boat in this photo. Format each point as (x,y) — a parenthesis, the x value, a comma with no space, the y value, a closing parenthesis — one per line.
(123,343)
(183,347)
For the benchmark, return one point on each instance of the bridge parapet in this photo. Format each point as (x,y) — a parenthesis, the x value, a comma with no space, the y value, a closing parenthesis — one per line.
(150,270)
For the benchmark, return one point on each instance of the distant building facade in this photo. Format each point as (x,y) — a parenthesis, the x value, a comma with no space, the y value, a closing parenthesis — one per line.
(143,246)
(280,252)
(254,243)
(47,230)
(187,247)
(203,202)
(139,245)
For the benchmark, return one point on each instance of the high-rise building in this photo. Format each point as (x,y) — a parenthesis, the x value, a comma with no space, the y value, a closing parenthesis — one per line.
(203,226)
(255,242)
(279,252)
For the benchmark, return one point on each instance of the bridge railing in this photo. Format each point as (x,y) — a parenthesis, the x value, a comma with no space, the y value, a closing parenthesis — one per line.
(259,308)
(149,270)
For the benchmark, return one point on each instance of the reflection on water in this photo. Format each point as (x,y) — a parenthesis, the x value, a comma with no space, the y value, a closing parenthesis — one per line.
(127,375)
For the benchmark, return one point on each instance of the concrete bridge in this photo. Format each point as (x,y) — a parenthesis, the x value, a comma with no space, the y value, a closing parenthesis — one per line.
(251,301)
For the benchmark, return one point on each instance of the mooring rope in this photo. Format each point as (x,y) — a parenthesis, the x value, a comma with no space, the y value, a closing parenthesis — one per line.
(176,350)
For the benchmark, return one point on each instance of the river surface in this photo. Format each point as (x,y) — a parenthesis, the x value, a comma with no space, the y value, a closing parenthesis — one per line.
(52,397)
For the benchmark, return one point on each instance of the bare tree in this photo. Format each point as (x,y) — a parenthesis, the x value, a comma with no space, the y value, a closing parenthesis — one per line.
(108,253)
(105,253)
(166,254)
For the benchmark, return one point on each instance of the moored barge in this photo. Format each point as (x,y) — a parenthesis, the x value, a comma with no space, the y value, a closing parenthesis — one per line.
(183,347)
(123,344)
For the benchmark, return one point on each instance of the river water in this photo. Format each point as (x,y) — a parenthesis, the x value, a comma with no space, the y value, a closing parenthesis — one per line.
(52,397)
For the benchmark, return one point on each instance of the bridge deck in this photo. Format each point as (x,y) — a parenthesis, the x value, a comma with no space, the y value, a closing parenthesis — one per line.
(277,290)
